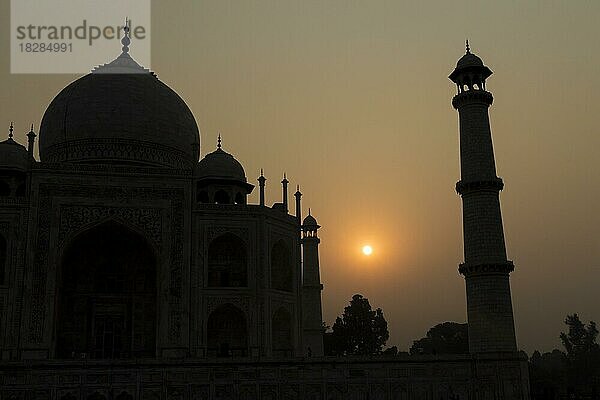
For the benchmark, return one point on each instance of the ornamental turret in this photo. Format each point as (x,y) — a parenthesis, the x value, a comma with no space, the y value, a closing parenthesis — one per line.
(311,288)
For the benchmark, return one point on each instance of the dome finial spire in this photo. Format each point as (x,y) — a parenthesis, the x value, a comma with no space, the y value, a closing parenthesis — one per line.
(467,46)
(219,141)
(10,130)
(126,41)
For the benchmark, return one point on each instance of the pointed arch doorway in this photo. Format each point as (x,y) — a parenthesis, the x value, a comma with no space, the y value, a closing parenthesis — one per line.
(107,300)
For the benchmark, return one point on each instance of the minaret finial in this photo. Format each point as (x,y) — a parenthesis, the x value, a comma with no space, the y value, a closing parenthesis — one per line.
(467,46)
(261,172)
(31,130)
(219,141)
(308,210)
(10,130)
(126,41)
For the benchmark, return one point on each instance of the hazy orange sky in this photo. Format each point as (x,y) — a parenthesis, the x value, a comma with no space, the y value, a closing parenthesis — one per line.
(352,100)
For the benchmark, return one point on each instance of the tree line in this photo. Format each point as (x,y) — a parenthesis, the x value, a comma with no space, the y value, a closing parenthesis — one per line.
(571,373)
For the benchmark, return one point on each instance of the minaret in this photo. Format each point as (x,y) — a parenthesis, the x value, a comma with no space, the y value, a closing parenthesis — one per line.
(298,197)
(30,142)
(311,288)
(486,268)
(261,183)
(284,195)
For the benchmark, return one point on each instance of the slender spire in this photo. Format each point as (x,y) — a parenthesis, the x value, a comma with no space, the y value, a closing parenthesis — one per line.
(284,188)
(298,196)
(467,46)
(261,183)
(126,41)
(219,141)
(10,130)
(123,64)
(30,142)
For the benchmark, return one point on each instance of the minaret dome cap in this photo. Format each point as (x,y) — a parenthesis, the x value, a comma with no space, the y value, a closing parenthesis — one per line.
(310,222)
(13,156)
(469,60)
(220,165)
(469,65)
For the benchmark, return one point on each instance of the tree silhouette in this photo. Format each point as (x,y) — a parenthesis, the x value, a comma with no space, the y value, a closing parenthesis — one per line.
(583,352)
(359,331)
(444,338)
(580,341)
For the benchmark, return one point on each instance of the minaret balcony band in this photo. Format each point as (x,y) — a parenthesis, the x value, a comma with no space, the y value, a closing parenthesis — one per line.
(472,96)
(495,184)
(487,268)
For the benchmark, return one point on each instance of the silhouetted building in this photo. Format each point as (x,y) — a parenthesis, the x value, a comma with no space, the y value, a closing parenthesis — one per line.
(131,270)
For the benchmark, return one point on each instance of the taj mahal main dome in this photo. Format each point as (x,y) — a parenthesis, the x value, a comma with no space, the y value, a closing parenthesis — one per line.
(114,116)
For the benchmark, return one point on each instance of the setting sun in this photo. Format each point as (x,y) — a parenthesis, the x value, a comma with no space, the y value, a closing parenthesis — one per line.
(367,250)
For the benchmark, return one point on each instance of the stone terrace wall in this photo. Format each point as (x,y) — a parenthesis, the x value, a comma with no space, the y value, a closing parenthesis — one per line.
(426,378)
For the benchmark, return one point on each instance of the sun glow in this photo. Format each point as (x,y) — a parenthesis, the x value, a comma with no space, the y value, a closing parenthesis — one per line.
(367,250)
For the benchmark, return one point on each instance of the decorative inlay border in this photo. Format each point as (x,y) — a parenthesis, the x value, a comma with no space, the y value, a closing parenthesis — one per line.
(495,184)
(481,269)
(118,149)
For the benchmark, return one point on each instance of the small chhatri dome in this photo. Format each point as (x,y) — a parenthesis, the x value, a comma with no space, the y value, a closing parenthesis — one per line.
(469,59)
(470,71)
(310,221)
(119,114)
(220,165)
(13,156)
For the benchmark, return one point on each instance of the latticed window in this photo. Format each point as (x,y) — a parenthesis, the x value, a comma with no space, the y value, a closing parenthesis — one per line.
(227,262)
(227,333)
(3,258)
(282,273)
(281,326)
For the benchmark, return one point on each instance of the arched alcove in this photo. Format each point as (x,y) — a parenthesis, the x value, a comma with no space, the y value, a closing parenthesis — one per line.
(227,262)
(107,295)
(4,189)
(3,258)
(96,396)
(222,197)
(240,198)
(282,274)
(20,192)
(68,396)
(202,196)
(227,332)
(281,328)
(124,396)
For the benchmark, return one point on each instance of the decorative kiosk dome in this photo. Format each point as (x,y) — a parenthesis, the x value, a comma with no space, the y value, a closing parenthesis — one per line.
(119,114)
(469,60)
(221,179)
(470,74)
(310,226)
(310,222)
(14,163)
(220,165)
(13,156)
